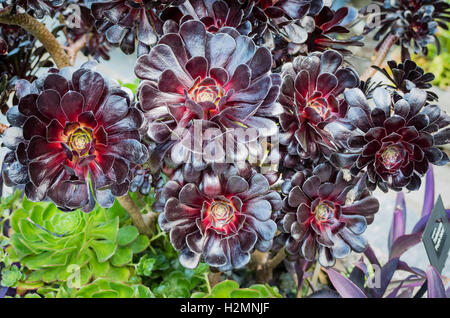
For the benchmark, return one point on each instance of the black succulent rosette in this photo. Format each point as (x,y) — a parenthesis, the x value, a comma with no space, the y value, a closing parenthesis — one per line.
(324,214)
(311,96)
(37,8)
(214,14)
(222,219)
(414,23)
(324,32)
(275,19)
(73,137)
(396,140)
(195,81)
(408,75)
(20,60)
(124,21)
(96,45)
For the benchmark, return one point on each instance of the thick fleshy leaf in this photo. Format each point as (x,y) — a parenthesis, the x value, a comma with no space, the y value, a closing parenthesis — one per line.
(345,287)
(434,283)
(398,225)
(428,201)
(403,243)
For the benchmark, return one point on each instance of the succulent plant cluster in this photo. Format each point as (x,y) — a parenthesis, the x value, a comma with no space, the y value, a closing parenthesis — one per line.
(21,57)
(413,23)
(38,8)
(221,82)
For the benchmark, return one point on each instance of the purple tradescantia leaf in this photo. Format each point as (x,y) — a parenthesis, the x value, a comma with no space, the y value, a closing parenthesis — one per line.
(324,293)
(3,291)
(420,225)
(396,290)
(403,243)
(399,220)
(435,285)
(344,286)
(370,254)
(413,270)
(359,273)
(447,292)
(387,271)
(428,201)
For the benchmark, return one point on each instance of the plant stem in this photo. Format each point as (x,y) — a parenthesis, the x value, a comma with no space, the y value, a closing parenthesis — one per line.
(39,31)
(277,259)
(135,213)
(157,236)
(75,47)
(3,127)
(380,56)
(315,276)
(208,285)
(213,278)
(265,266)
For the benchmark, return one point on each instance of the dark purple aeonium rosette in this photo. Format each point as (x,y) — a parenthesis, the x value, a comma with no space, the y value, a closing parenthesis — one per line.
(215,14)
(195,79)
(407,75)
(73,137)
(413,22)
(311,96)
(96,44)
(324,214)
(124,21)
(221,219)
(38,8)
(279,19)
(396,140)
(324,30)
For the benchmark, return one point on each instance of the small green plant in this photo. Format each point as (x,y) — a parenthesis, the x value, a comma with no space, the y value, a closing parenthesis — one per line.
(163,273)
(11,276)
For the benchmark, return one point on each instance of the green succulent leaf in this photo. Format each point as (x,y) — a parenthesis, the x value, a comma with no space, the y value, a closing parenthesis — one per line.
(123,256)
(245,293)
(140,244)
(104,249)
(127,235)
(224,289)
(230,289)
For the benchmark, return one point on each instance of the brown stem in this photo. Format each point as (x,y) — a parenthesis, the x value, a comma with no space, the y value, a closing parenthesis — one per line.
(39,31)
(75,47)
(214,278)
(135,213)
(150,220)
(380,56)
(265,266)
(277,259)
(3,127)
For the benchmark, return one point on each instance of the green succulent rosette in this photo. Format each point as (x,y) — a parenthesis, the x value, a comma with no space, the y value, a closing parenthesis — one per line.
(75,247)
(100,288)
(230,289)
